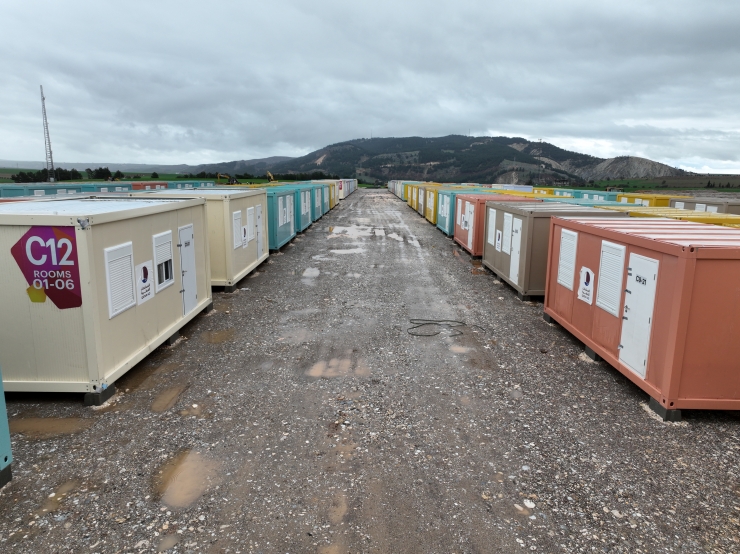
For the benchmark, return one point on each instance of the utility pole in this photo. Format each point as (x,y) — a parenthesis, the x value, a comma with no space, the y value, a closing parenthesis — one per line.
(47,139)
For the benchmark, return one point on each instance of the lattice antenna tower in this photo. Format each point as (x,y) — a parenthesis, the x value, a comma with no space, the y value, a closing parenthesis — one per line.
(47,139)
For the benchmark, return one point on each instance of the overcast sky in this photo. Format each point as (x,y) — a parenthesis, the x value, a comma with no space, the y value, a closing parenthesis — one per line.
(197,82)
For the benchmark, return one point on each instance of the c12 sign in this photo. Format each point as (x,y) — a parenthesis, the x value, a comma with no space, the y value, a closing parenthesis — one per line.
(47,256)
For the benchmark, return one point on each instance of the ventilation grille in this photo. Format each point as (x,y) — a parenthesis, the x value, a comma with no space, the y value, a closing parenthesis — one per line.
(237,217)
(119,262)
(611,271)
(567,260)
(491,226)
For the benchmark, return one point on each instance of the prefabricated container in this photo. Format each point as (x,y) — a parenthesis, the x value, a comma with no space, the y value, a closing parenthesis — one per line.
(92,286)
(237,230)
(280,216)
(44,189)
(446,206)
(651,200)
(470,218)
(580,201)
(709,204)
(149,185)
(517,240)
(105,187)
(650,297)
(6,456)
(302,206)
(597,195)
(8,190)
(190,184)
(312,198)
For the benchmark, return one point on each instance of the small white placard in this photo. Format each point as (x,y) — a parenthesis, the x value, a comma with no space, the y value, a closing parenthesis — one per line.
(245,236)
(701,208)
(586,286)
(679,205)
(144,282)
(498,241)
(712,209)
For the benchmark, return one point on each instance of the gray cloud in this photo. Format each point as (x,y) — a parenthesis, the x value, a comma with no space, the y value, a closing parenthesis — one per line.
(187,82)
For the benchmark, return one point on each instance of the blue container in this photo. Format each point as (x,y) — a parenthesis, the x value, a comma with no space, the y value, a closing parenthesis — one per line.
(280,216)
(6,456)
(301,206)
(113,186)
(45,189)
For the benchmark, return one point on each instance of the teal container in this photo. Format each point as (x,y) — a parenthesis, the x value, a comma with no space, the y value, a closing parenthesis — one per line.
(564,192)
(314,195)
(446,207)
(325,206)
(7,191)
(302,208)
(44,189)
(597,195)
(190,184)
(280,216)
(114,186)
(6,456)
(582,202)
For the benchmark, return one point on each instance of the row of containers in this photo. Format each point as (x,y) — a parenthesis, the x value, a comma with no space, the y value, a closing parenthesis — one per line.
(93,283)
(647,282)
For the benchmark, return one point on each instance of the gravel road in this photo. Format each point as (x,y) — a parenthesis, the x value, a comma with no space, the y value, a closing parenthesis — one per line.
(307,413)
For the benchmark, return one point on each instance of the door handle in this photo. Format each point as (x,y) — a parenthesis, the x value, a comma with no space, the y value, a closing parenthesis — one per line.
(628,291)
(625,317)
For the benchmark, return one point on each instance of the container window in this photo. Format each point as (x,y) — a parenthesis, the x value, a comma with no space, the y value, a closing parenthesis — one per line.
(712,209)
(163,260)
(250,224)
(103,189)
(611,273)
(508,223)
(237,229)
(119,270)
(38,193)
(567,260)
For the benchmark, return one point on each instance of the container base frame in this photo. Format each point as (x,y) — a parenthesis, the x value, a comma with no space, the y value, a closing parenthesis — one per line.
(662,411)
(6,475)
(591,354)
(99,398)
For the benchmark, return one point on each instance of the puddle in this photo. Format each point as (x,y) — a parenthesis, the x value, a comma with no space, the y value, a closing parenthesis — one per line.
(168,542)
(338,509)
(192,410)
(311,272)
(167,398)
(138,378)
(55,499)
(379,233)
(478,271)
(395,237)
(49,427)
(297,336)
(348,251)
(217,337)
(183,479)
(355,231)
(338,367)
(355,275)
(465,400)
(459,349)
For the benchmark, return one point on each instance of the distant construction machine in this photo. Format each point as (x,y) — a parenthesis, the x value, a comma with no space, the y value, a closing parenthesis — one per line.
(47,140)
(229,179)
(270,177)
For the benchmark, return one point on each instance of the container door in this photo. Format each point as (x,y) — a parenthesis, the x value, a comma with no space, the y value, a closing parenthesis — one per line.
(469,222)
(639,298)
(260,246)
(187,266)
(516,247)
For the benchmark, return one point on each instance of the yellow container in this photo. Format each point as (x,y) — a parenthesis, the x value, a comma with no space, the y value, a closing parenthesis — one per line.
(332,195)
(648,200)
(674,213)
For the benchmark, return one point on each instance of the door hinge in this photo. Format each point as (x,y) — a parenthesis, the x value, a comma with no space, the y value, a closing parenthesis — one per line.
(627,290)
(179,245)
(620,347)
(624,317)
(183,290)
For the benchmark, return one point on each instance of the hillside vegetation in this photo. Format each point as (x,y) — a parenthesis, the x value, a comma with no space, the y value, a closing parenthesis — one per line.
(457,158)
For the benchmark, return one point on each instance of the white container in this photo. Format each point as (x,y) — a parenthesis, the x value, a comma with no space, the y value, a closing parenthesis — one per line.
(237,230)
(91,286)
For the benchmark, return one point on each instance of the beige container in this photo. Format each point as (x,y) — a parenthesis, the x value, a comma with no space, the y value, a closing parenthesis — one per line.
(92,286)
(237,230)
(709,204)
(517,237)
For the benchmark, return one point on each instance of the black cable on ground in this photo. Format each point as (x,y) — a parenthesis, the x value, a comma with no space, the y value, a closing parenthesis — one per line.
(449,324)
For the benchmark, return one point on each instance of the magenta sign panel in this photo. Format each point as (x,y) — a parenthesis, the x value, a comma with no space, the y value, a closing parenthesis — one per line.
(47,256)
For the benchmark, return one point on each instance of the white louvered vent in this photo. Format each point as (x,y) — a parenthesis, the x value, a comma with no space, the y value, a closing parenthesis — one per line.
(163,260)
(491,226)
(119,270)
(567,259)
(611,274)
(237,229)
(250,224)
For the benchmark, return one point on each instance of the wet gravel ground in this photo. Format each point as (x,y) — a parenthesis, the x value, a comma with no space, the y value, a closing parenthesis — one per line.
(302,415)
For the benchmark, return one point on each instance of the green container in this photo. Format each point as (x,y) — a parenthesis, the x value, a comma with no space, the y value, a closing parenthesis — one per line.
(6,456)
(280,216)
(44,189)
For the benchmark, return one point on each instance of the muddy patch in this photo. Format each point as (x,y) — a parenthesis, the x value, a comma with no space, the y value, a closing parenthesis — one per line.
(338,367)
(167,398)
(217,337)
(457,349)
(193,410)
(54,501)
(49,427)
(338,509)
(168,542)
(183,479)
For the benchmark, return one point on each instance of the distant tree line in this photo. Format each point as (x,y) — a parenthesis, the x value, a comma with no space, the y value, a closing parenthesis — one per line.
(43,175)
